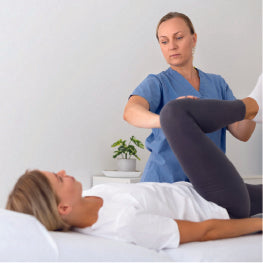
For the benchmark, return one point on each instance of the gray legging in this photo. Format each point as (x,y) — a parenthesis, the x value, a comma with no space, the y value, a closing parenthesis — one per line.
(184,123)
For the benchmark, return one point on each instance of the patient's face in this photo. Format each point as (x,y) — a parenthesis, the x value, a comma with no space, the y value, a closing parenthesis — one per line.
(67,188)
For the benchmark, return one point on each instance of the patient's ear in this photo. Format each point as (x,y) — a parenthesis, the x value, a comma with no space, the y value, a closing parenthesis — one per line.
(64,209)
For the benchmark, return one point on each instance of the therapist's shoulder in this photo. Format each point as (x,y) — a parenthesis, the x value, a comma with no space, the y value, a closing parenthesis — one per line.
(157,77)
(154,78)
(213,77)
(214,80)
(219,83)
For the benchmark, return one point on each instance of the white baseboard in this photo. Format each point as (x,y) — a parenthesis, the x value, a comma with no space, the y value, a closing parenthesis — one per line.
(253,179)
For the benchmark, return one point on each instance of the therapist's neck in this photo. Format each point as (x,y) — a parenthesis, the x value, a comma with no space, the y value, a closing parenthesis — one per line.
(187,71)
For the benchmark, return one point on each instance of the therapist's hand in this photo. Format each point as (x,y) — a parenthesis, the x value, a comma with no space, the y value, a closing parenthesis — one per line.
(188,97)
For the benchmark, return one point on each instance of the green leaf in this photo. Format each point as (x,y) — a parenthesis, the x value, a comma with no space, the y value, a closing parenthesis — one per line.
(132,150)
(117,153)
(137,157)
(140,145)
(116,143)
(122,149)
(129,149)
(137,142)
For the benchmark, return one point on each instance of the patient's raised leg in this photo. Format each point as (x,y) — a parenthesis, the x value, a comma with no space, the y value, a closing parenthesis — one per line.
(185,123)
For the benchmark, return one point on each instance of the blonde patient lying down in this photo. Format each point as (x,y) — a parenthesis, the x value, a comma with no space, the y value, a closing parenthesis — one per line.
(216,204)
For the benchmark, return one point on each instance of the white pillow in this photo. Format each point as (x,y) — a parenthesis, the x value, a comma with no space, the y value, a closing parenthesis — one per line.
(24,238)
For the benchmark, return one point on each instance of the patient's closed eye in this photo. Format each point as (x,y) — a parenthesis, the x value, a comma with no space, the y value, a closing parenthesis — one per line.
(60,179)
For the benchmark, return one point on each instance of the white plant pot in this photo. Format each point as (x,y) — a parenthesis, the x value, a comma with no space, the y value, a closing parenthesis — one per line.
(126,164)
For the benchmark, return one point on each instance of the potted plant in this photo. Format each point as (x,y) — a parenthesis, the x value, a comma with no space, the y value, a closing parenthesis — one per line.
(126,151)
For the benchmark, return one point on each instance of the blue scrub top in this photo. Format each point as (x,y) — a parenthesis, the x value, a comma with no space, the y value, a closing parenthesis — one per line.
(158,90)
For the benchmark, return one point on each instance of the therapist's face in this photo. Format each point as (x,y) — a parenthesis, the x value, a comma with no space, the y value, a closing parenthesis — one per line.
(176,42)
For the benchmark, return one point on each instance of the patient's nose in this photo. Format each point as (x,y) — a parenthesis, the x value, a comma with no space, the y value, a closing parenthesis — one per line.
(62,173)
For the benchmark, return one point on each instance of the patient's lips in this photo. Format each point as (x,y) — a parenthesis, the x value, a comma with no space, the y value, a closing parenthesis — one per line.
(71,177)
(66,175)
(174,55)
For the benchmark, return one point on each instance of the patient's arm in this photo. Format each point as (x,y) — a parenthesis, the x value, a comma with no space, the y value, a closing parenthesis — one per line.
(217,229)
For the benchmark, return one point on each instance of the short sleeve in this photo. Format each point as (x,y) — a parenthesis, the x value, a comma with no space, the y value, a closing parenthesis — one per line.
(151,90)
(149,230)
(227,92)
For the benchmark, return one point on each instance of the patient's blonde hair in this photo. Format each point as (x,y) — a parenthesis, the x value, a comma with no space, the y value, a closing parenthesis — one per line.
(33,195)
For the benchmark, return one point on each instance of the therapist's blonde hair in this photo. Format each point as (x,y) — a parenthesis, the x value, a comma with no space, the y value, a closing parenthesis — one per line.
(33,195)
(171,15)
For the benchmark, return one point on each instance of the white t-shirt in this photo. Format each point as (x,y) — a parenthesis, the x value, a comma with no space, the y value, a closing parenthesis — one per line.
(144,213)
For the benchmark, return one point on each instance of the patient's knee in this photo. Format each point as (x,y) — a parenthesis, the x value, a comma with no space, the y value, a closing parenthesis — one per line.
(240,211)
(173,112)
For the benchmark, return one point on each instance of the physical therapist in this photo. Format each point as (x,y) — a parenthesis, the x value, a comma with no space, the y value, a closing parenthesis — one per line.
(177,38)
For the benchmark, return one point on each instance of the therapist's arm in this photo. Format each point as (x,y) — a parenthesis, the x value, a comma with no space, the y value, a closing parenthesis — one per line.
(217,229)
(242,130)
(137,113)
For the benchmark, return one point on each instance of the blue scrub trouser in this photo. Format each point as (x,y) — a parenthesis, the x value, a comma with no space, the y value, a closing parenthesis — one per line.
(184,123)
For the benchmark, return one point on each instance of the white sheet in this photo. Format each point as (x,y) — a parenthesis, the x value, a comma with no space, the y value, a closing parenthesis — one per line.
(23,238)
(74,246)
(242,249)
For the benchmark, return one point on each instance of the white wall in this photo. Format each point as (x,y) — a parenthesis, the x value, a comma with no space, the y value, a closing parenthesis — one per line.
(67,68)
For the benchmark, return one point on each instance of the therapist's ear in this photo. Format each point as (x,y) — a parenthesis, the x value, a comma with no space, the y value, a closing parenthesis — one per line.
(64,209)
(194,39)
